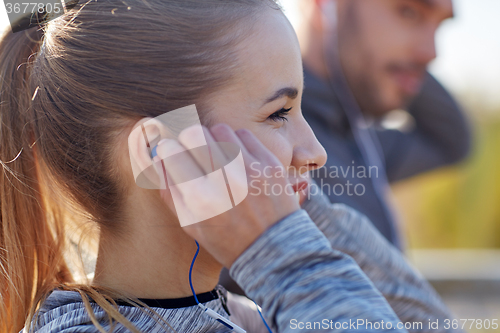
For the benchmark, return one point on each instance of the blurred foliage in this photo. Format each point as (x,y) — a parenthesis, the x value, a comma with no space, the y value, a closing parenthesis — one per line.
(459,206)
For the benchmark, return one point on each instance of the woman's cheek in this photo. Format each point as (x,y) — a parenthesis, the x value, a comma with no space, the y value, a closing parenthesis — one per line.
(275,141)
(281,149)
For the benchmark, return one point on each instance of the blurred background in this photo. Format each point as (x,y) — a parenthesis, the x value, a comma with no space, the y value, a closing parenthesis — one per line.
(451,217)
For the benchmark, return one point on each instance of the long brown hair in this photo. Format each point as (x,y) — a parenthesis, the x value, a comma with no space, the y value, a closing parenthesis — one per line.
(67,90)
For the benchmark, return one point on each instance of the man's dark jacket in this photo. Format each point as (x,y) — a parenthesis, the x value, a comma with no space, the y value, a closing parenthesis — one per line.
(440,136)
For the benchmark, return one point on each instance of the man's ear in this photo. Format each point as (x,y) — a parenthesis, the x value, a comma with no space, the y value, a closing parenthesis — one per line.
(143,137)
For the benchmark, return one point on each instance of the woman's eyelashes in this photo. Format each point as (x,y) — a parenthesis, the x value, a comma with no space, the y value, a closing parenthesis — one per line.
(280,115)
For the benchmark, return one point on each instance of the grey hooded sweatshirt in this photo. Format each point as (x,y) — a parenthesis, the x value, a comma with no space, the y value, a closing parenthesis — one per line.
(323,268)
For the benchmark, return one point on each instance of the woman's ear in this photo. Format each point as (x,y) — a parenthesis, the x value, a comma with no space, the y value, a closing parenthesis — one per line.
(143,137)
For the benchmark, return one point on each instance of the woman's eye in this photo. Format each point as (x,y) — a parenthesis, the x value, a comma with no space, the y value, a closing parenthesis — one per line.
(280,115)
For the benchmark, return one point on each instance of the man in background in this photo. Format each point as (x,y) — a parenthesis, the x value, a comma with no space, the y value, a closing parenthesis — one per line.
(363,59)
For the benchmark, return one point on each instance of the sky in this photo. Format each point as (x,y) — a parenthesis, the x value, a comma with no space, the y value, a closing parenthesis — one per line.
(468,48)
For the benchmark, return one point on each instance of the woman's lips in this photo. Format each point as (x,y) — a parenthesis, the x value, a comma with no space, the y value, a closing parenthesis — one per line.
(300,185)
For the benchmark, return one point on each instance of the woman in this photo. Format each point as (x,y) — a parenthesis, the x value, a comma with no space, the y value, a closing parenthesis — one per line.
(70,96)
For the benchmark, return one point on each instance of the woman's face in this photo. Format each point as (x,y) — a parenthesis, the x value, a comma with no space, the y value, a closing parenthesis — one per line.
(269,81)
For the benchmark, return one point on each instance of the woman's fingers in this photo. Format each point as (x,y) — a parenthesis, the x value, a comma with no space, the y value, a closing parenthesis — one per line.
(203,147)
(256,148)
(178,162)
(224,133)
(193,139)
(190,165)
(220,152)
(212,179)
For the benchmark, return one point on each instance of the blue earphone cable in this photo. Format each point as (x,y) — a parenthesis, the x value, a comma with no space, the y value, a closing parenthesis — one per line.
(191,270)
(196,298)
(262,317)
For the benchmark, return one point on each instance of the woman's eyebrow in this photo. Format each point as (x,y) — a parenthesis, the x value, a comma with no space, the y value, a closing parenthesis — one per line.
(290,92)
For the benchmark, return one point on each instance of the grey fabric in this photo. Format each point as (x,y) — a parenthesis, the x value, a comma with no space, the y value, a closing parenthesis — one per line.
(324,263)
(441,137)
(244,313)
(64,311)
(295,275)
(411,297)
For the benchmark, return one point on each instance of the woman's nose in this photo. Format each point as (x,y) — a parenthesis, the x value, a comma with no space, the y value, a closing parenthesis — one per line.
(308,153)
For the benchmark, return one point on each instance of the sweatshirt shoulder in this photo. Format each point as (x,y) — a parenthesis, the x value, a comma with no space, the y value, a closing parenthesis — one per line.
(65,311)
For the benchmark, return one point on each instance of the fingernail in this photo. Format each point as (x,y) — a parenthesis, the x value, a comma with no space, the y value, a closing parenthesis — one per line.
(168,147)
(193,137)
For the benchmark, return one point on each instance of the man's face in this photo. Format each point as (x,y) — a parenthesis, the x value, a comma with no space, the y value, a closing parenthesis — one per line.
(385,46)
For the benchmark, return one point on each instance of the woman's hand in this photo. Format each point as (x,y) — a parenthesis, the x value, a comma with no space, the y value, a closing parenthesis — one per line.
(304,193)
(229,234)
